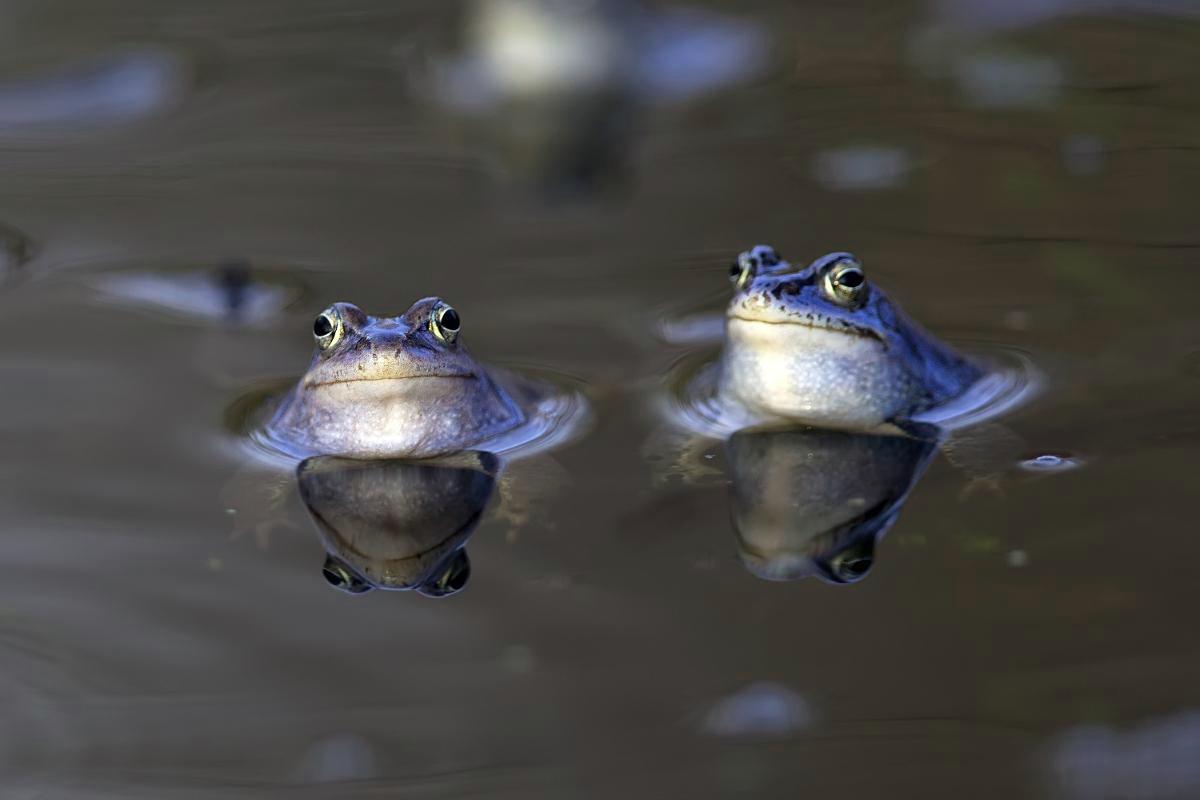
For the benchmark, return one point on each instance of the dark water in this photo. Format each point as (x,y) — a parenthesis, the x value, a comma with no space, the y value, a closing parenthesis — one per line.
(165,630)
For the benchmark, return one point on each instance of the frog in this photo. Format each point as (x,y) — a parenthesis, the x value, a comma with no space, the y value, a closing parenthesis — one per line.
(396,387)
(387,410)
(824,346)
(818,404)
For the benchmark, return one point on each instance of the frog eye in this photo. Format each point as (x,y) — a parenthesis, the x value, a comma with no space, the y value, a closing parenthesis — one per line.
(845,282)
(340,577)
(328,328)
(445,323)
(742,271)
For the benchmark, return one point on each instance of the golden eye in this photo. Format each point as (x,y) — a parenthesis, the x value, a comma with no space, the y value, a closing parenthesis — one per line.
(845,282)
(328,328)
(742,271)
(445,324)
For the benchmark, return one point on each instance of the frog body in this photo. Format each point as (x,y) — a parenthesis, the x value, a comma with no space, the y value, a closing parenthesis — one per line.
(823,346)
(395,387)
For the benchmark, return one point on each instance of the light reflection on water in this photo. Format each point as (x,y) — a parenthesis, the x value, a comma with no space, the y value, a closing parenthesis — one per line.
(154,644)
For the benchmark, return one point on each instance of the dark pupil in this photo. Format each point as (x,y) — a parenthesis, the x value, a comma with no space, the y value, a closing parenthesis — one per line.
(322,327)
(851,279)
(858,566)
(735,269)
(450,320)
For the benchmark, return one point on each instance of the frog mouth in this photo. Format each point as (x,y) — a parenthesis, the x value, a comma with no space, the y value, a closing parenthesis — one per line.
(817,324)
(389,378)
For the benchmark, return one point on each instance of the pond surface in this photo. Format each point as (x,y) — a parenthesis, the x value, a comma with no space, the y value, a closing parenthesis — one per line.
(1024,180)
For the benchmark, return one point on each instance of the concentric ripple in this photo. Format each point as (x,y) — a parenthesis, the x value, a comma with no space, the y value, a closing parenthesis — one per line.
(693,403)
(560,414)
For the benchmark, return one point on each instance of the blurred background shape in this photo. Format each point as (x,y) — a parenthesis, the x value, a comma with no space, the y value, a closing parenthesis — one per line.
(557,89)
(1158,757)
(762,709)
(110,89)
(231,292)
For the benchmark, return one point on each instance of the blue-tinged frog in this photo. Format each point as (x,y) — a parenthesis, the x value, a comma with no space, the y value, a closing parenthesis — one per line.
(396,387)
(824,346)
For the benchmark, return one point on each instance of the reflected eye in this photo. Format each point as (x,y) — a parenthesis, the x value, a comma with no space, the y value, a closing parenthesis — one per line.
(452,580)
(845,282)
(340,577)
(445,323)
(328,328)
(742,271)
(852,564)
(853,569)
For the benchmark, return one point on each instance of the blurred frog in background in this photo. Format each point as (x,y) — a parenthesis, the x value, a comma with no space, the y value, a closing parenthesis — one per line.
(556,86)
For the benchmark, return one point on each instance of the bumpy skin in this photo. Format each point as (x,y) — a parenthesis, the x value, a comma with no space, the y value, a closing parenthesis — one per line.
(391,388)
(793,350)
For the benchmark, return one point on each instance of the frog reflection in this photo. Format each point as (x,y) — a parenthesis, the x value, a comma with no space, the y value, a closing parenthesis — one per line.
(808,501)
(397,524)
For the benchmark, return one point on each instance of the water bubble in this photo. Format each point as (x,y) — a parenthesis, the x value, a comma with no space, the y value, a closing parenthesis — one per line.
(1050,462)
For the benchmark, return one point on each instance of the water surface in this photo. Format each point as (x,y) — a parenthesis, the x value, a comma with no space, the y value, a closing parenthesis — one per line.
(165,630)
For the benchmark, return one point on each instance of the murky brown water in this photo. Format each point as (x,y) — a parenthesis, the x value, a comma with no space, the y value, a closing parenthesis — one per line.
(154,644)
